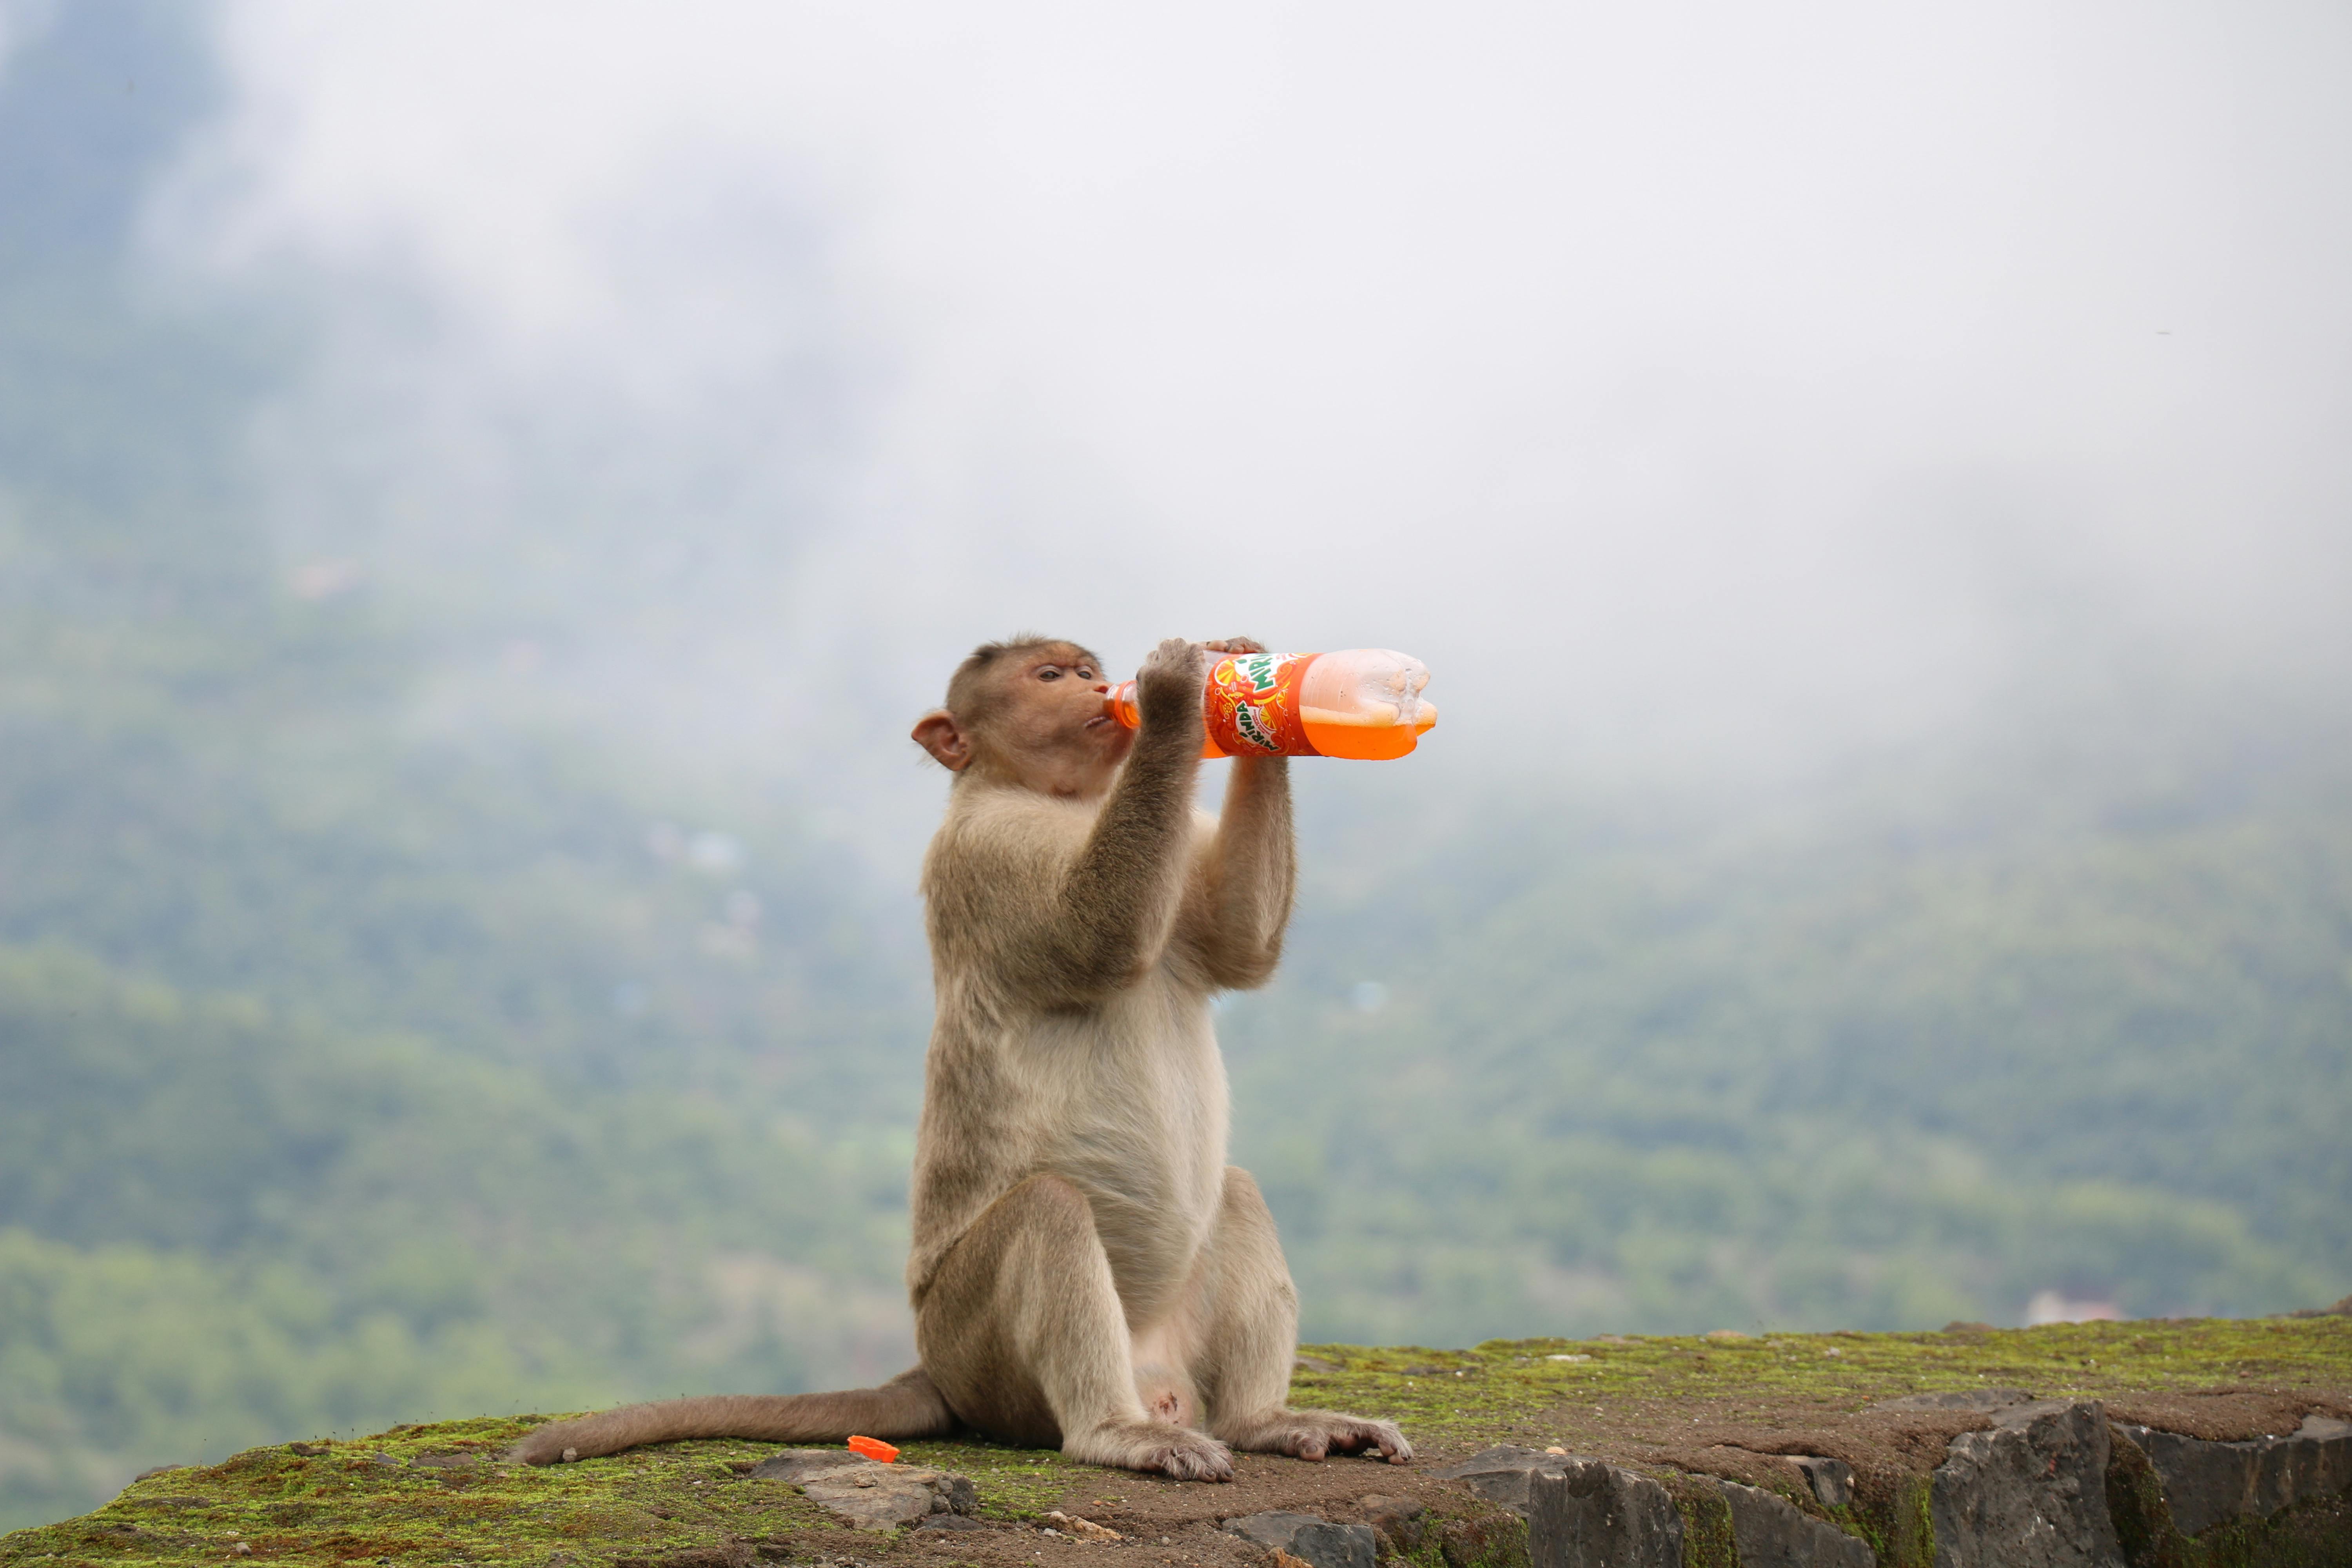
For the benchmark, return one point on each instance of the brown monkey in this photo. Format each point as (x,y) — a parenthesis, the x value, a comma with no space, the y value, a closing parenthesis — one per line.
(1088,1272)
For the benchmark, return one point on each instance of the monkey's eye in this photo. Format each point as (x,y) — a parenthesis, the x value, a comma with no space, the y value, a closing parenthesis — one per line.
(1085,672)
(1049,673)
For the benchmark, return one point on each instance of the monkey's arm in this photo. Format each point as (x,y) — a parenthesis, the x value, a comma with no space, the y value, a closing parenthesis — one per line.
(1066,928)
(1239,901)
(1119,901)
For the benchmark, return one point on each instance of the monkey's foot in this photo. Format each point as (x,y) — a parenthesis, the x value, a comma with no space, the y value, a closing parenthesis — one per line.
(1313,1434)
(1177,1452)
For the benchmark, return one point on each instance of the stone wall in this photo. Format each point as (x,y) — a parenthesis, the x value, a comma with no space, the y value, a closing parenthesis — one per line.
(2047,1484)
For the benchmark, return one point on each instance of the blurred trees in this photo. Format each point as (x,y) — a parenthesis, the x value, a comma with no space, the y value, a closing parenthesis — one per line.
(1824,1072)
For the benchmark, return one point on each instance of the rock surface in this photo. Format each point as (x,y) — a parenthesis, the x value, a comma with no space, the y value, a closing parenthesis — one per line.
(2030,1493)
(2210,1483)
(1400,1524)
(1584,1513)
(1315,1541)
(1505,1473)
(868,1495)
(1580,1512)
(1617,1445)
(797,1465)
(1772,1532)
(1831,1480)
(1591,1513)
(952,1522)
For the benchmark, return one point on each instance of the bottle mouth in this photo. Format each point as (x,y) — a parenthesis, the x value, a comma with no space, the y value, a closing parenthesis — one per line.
(1119,705)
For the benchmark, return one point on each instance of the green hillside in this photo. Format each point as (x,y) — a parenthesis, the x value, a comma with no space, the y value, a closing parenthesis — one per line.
(1818,1079)
(343,1071)
(350,1069)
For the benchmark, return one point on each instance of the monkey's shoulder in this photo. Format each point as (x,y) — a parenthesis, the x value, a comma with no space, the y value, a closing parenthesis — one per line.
(1005,825)
(1005,828)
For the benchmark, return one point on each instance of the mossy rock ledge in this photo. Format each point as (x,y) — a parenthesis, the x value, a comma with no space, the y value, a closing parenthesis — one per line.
(2152,1445)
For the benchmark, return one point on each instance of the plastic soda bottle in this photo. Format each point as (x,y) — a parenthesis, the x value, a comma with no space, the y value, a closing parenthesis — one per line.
(1365,703)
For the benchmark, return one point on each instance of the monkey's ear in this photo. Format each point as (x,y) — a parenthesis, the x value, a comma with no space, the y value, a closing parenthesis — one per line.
(946,740)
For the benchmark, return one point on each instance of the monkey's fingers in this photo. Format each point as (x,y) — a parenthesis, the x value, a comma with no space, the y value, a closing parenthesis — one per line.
(1190,1463)
(1168,684)
(1235,644)
(1178,1451)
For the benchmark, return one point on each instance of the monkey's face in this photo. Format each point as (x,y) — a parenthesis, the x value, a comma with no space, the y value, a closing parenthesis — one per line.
(1052,726)
(1042,724)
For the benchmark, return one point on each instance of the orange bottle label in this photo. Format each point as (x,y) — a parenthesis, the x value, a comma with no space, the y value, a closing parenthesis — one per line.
(873,1448)
(1253,705)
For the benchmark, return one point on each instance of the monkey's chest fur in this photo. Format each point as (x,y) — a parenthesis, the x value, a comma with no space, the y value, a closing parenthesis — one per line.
(1126,1099)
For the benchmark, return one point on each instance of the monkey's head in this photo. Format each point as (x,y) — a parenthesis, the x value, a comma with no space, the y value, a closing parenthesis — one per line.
(1029,711)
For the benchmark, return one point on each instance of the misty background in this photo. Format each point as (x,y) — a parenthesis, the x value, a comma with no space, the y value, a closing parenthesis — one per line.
(484,493)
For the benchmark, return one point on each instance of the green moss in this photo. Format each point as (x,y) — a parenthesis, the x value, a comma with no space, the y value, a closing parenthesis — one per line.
(1017,1483)
(2135,1502)
(1520,1389)
(1891,1514)
(1540,1391)
(2315,1535)
(1707,1541)
(1912,1544)
(1471,1536)
(371,1501)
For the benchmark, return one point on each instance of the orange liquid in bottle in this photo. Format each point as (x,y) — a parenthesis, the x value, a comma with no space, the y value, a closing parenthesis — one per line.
(1365,738)
(1361,703)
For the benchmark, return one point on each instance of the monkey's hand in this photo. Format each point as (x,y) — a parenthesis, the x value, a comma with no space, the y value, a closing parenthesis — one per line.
(1153,1445)
(1167,687)
(1235,644)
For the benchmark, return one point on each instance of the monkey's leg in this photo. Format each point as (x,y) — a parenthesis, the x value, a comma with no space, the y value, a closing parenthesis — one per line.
(1022,1331)
(1247,1324)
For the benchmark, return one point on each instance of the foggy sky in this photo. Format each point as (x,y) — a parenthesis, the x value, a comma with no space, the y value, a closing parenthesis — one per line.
(1692,385)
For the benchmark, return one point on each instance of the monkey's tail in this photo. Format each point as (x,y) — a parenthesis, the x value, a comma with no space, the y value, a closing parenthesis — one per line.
(905,1407)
